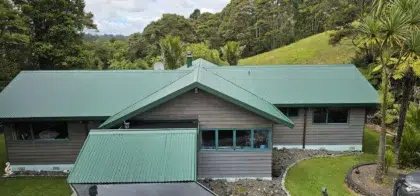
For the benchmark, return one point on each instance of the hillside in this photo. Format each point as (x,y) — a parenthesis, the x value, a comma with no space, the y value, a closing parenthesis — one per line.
(311,50)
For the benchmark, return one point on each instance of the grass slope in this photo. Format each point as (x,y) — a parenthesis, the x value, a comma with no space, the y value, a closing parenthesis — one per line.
(308,177)
(311,50)
(30,186)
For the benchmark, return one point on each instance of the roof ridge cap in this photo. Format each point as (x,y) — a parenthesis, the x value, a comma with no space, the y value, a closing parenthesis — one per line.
(150,94)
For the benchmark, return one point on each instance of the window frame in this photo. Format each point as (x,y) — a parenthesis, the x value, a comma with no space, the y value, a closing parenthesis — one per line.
(287,113)
(326,117)
(31,133)
(250,148)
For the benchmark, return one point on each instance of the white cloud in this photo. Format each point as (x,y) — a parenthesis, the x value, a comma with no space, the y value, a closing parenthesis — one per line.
(130,16)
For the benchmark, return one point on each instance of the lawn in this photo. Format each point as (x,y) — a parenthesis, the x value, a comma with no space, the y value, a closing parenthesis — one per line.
(31,186)
(311,50)
(308,177)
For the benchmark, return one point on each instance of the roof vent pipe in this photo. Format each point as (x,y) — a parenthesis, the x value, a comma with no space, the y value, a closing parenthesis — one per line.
(189,58)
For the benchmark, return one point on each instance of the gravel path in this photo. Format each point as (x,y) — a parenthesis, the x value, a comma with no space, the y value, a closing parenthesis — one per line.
(281,160)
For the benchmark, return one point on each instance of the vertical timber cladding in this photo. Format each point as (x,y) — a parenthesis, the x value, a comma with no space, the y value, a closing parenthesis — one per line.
(47,152)
(214,112)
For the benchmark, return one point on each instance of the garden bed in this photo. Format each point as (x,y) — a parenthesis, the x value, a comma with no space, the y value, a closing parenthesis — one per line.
(363,183)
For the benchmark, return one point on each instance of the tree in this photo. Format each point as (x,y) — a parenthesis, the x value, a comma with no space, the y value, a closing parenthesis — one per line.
(386,30)
(172,51)
(202,50)
(232,52)
(56,31)
(195,14)
(14,41)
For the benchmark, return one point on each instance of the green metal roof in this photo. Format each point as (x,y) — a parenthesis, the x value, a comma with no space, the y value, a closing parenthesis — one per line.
(135,156)
(303,85)
(35,94)
(209,82)
(71,94)
(199,63)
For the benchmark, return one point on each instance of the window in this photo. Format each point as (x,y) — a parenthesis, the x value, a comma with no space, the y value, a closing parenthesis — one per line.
(337,115)
(330,115)
(41,131)
(235,139)
(243,138)
(225,139)
(261,139)
(290,112)
(320,115)
(208,139)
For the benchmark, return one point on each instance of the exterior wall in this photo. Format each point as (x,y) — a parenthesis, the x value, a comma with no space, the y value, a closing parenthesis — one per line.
(211,112)
(214,164)
(283,135)
(330,136)
(47,152)
(214,112)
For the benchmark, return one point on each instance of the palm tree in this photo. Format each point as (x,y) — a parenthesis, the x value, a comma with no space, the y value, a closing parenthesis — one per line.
(232,52)
(172,51)
(386,31)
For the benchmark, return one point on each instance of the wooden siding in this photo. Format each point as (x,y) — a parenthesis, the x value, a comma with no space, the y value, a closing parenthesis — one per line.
(211,112)
(47,152)
(218,164)
(337,134)
(283,135)
(322,134)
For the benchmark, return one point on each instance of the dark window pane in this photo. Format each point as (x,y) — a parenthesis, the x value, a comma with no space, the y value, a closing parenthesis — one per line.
(50,130)
(283,110)
(225,139)
(22,132)
(320,115)
(293,112)
(208,139)
(243,138)
(337,115)
(261,139)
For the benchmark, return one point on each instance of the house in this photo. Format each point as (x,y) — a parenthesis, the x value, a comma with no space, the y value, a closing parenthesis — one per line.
(200,121)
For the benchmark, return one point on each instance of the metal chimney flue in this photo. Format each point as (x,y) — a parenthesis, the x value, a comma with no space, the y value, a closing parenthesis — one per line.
(189,58)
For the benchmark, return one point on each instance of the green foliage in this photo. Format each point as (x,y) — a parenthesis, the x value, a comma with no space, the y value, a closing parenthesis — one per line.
(172,51)
(202,50)
(56,38)
(410,144)
(389,159)
(195,14)
(126,64)
(232,52)
(14,41)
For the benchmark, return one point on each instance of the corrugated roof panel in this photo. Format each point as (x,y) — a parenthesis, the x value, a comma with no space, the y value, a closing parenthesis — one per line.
(303,84)
(135,156)
(79,93)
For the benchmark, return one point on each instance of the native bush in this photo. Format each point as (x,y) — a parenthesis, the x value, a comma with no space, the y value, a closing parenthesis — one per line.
(410,145)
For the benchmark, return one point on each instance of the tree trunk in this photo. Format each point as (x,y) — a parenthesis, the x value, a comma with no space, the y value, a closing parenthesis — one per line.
(380,168)
(408,85)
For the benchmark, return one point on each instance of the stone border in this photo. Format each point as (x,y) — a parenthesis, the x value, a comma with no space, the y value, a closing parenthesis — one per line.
(353,185)
(283,177)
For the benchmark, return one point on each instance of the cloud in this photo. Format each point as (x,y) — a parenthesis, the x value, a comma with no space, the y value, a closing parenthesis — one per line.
(130,16)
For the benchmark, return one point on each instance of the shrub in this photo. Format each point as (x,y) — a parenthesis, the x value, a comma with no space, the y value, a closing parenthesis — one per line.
(410,148)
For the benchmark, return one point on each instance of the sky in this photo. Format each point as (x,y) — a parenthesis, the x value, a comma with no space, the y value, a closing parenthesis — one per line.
(129,16)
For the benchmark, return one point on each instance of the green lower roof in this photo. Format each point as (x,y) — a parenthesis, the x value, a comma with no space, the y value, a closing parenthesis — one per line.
(136,156)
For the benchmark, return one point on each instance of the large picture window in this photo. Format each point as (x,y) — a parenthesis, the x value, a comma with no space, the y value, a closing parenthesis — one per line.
(41,131)
(235,139)
(330,115)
